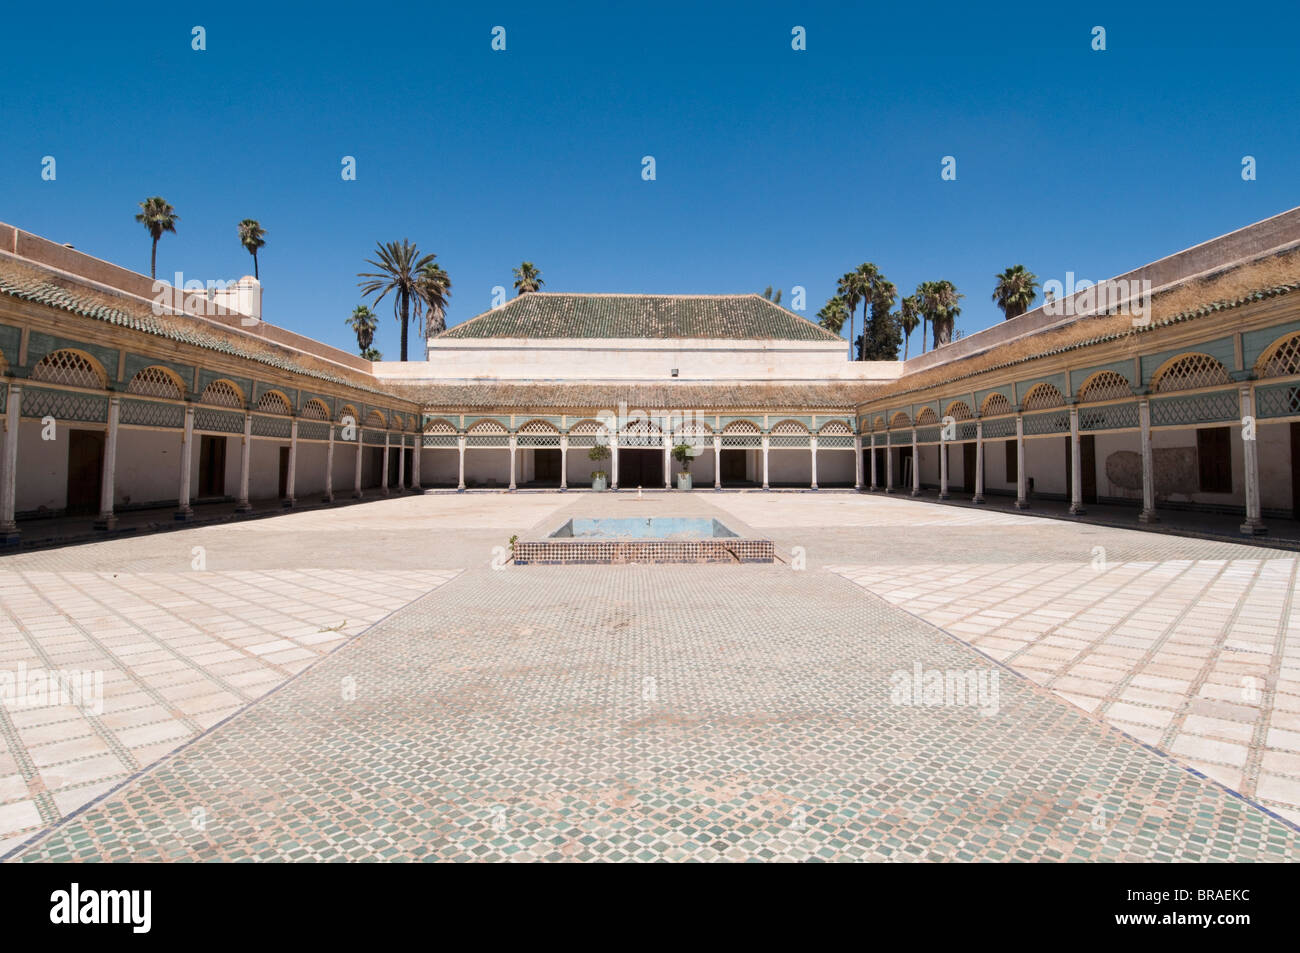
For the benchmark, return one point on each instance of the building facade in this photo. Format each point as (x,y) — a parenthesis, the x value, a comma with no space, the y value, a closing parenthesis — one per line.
(120,393)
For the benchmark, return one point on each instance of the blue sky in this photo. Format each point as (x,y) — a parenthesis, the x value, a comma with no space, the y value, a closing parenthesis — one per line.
(773,166)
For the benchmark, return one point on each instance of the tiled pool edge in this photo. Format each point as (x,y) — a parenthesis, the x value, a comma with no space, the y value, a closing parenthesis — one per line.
(569,551)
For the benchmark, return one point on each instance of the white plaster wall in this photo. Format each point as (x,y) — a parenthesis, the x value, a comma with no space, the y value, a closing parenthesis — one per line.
(1045,464)
(636,359)
(149,467)
(345,456)
(835,467)
(790,466)
(264,469)
(484,464)
(42,468)
(995,466)
(309,469)
(1274,451)
(440,466)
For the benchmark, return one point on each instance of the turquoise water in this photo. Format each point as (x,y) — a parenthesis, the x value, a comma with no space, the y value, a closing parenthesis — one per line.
(650,527)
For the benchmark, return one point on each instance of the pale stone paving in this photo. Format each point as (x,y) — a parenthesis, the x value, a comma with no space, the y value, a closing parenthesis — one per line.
(706,712)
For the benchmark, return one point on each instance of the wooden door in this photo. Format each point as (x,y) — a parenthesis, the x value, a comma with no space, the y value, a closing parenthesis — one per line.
(212,466)
(284,472)
(968,466)
(85,470)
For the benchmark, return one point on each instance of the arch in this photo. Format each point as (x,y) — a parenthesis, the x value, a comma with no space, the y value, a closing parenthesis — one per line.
(157,381)
(71,367)
(927,417)
(1105,385)
(1043,396)
(440,426)
(741,426)
(900,419)
(1188,372)
(223,393)
(1281,358)
(539,427)
(995,405)
(315,410)
(835,428)
(346,411)
(487,426)
(375,420)
(790,427)
(958,410)
(588,426)
(273,402)
(880,423)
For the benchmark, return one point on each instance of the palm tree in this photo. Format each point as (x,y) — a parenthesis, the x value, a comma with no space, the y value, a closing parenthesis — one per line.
(435,290)
(400,271)
(252,236)
(363,324)
(370,354)
(157,215)
(528,278)
(909,316)
(939,306)
(833,315)
(851,291)
(1015,291)
(884,333)
(774,298)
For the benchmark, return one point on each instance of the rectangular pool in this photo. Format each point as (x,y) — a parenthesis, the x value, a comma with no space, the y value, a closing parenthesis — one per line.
(642,539)
(650,527)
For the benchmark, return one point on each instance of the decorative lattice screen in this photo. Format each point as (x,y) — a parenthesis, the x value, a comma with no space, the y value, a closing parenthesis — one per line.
(222,394)
(67,367)
(1044,397)
(1283,360)
(926,416)
(155,382)
(315,410)
(1107,385)
(996,404)
(273,403)
(1189,373)
(958,410)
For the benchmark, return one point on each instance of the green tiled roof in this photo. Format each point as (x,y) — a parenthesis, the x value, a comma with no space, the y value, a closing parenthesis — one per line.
(713,397)
(30,284)
(551,315)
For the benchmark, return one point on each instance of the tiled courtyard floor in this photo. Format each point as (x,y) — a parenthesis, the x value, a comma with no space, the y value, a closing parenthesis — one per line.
(669,712)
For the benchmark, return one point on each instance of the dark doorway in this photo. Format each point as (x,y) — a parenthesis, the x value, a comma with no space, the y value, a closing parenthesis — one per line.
(640,468)
(394,460)
(546,466)
(1295,471)
(904,467)
(85,470)
(968,451)
(284,472)
(880,467)
(1214,459)
(212,466)
(376,466)
(733,467)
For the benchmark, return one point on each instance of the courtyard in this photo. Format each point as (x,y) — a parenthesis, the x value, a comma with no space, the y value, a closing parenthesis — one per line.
(377,682)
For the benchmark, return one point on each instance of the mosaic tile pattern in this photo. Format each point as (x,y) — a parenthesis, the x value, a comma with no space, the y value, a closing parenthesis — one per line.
(176,654)
(659,712)
(1198,657)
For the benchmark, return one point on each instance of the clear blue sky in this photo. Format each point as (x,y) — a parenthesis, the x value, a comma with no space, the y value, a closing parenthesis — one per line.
(774,166)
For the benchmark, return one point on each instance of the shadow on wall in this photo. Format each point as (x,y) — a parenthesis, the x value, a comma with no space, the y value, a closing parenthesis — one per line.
(1175,470)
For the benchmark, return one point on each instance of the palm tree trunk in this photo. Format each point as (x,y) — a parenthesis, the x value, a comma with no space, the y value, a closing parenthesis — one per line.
(153,261)
(406,318)
(852,316)
(925,329)
(256,276)
(907,340)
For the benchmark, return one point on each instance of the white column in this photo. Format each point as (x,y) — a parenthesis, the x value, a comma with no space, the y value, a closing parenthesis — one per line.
(329,466)
(245,451)
(1254,525)
(765,461)
(106,518)
(1022,479)
(460,450)
(512,461)
(401,464)
(383,477)
(9,465)
(875,479)
(356,462)
(889,462)
(979,463)
(183,510)
(668,461)
(1148,514)
(943,466)
(916,465)
(613,461)
(1076,464)
(564,461)
(717,461)
(291,478)
(857,461)
(417,454)
(813,446)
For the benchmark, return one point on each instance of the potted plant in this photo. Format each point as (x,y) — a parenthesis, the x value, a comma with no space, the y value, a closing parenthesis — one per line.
(599,478)
(683,452)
